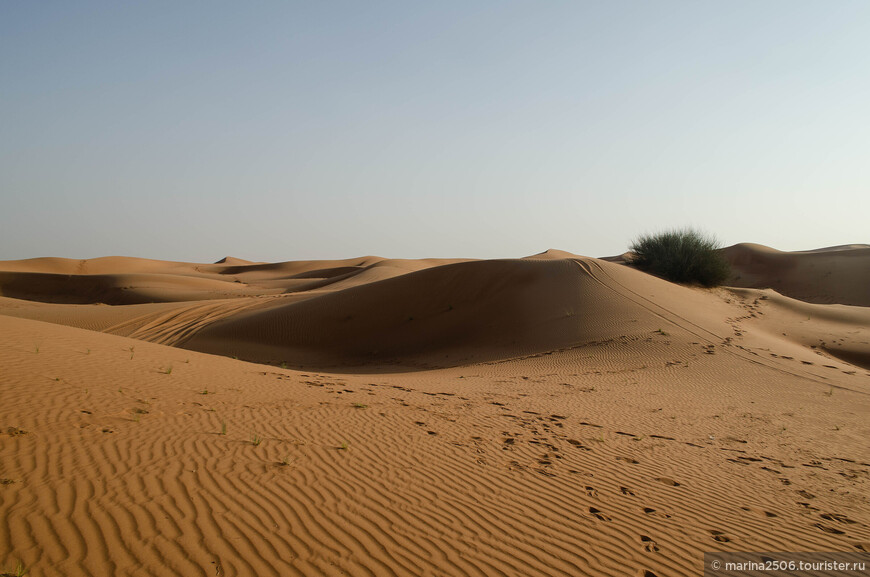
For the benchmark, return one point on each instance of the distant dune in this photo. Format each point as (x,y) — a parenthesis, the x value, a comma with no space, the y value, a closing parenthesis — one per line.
(548,415)
(839,274)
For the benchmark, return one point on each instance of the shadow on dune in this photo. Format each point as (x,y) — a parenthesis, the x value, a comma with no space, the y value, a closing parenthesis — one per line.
(443,316)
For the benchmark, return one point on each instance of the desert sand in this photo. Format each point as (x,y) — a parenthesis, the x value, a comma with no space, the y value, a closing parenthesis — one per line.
(549,415)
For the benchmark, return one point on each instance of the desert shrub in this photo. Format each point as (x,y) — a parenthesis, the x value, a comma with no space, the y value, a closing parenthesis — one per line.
(683,256)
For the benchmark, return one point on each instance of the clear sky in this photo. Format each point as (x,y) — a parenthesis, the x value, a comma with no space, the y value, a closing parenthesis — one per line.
(299,130)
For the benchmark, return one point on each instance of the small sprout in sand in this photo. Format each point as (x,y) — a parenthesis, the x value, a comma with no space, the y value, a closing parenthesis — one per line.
(829,393)
(256,440)
(284,365)
(131,349)
(19,571)
(136,417)
(37,350)
(661,332)
(344,446)
(6,481)
(167,371)
(205,392)
(224,428)
(359,406)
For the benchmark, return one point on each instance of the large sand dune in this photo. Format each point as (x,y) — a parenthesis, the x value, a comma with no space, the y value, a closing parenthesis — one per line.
(552,415)
(837,274)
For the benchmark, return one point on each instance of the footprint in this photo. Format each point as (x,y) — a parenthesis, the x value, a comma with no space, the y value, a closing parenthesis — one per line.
(648,544)
(591,491)
(627,491)
(831,530)
(576,443)
(667,481)
(598,514)
(719,536)
(837,517)
(760,512)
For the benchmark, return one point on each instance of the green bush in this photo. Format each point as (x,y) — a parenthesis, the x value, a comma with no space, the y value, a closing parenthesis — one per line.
(683,256)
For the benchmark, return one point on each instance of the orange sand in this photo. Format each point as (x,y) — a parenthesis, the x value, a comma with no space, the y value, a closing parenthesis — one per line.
(553,415)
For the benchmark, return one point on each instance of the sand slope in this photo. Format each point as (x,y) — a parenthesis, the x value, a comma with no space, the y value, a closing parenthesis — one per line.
(464,312)
(553,415)
(839,274)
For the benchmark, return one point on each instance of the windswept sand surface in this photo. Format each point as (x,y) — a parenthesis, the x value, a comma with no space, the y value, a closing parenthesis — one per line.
(553,415)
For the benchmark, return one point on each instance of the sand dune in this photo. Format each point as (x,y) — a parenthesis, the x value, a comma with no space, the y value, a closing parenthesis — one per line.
(838,274)
(460,313)
(551,415)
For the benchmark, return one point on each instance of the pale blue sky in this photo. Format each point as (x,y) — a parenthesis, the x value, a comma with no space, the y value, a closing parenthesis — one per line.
(281,130)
